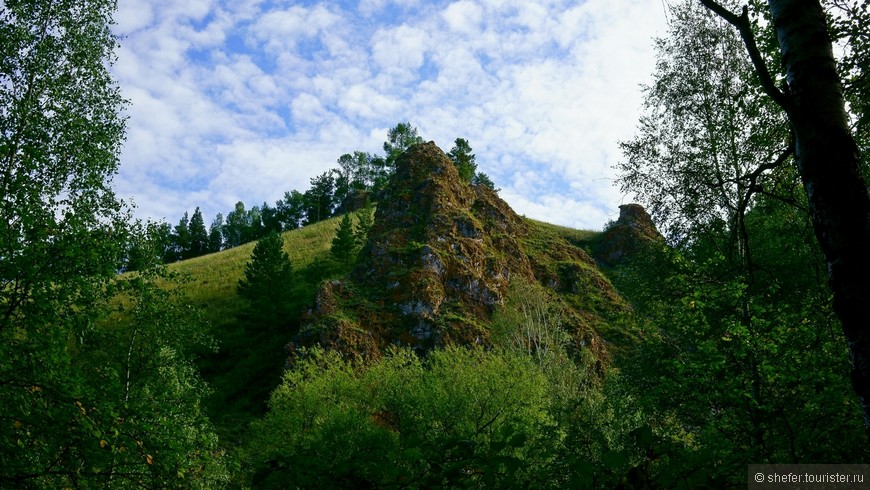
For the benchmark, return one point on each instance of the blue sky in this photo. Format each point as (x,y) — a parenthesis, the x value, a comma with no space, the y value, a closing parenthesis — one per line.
(245,99)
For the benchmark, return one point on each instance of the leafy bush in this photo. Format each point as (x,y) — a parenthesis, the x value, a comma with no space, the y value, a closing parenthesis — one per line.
(460,417)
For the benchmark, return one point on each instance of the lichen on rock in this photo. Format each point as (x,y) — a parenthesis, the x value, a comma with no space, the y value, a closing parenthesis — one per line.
(439,260)
(628,235)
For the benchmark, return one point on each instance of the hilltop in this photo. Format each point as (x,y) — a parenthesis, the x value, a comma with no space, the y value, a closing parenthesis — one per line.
(444,263)
(440,261)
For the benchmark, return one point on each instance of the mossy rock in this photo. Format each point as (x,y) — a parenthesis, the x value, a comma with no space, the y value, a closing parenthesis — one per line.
(439,261)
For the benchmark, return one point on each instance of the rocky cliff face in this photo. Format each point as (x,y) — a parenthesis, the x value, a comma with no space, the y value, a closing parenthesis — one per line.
(439,261)
(628,235)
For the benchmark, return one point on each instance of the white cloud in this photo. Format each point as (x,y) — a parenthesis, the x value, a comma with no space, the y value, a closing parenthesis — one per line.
(245,100)
(133,16)
(308,109)
(463,16)
(399,49)
(365,102)
(283,30)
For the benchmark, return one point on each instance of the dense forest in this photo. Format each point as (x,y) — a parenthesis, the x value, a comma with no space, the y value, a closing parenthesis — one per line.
(398,325)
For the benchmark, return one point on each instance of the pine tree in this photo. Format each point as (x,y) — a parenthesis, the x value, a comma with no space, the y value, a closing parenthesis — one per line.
(481,178)
(197,235)
(344,245)
(215,234)
(463,159)
(268,283)
(365,220)
(399,139)
(181,239)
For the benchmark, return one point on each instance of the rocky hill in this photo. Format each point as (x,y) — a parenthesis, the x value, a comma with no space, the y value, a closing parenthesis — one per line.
(440,260)
(628,235)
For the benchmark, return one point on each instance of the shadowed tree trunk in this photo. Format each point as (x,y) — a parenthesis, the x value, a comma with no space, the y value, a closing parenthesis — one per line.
(828,161)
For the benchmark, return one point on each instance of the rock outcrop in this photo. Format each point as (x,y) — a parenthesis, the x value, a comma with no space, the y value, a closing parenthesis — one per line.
(628,235)
(439,260)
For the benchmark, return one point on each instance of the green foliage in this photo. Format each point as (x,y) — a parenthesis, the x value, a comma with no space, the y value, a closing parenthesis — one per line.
(320,198)
(365,220)
(462,157)
(359,170)
(399,139)
(180,245)
(118,405)
(268,284)
(252,330)
(235,228)
(597,421)
(215,234)
(482,179)
(270,220)
(462,417)
(142,406)
(198,235)
(606,442)
(531,323)
(62,238)
(291,210)
(709,137)
(733,372)
(344,245)
(459,418)
(146,246)
(849,26)
(742,359)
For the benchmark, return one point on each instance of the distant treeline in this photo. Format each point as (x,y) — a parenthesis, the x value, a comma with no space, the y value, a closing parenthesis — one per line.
(358,178)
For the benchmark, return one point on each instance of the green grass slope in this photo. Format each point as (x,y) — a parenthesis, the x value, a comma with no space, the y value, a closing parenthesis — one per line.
(249,364)
(249,361)
(212,279)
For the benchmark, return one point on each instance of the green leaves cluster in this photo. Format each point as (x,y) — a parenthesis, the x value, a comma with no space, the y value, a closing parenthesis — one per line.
(742,360)
(734,374)
(268,284)
(117,405)
(145,400)
(461,417)
(349,238)
(96,385)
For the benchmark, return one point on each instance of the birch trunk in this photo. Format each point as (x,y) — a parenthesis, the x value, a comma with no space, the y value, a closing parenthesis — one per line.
(827,159)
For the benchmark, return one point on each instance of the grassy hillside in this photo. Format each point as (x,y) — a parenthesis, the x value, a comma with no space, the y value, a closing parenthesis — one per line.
(250,359)
(580,238)
(249,362)
(213,278)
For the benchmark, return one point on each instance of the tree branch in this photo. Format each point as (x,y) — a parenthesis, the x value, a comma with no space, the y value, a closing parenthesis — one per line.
(783,156)
(741,22)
